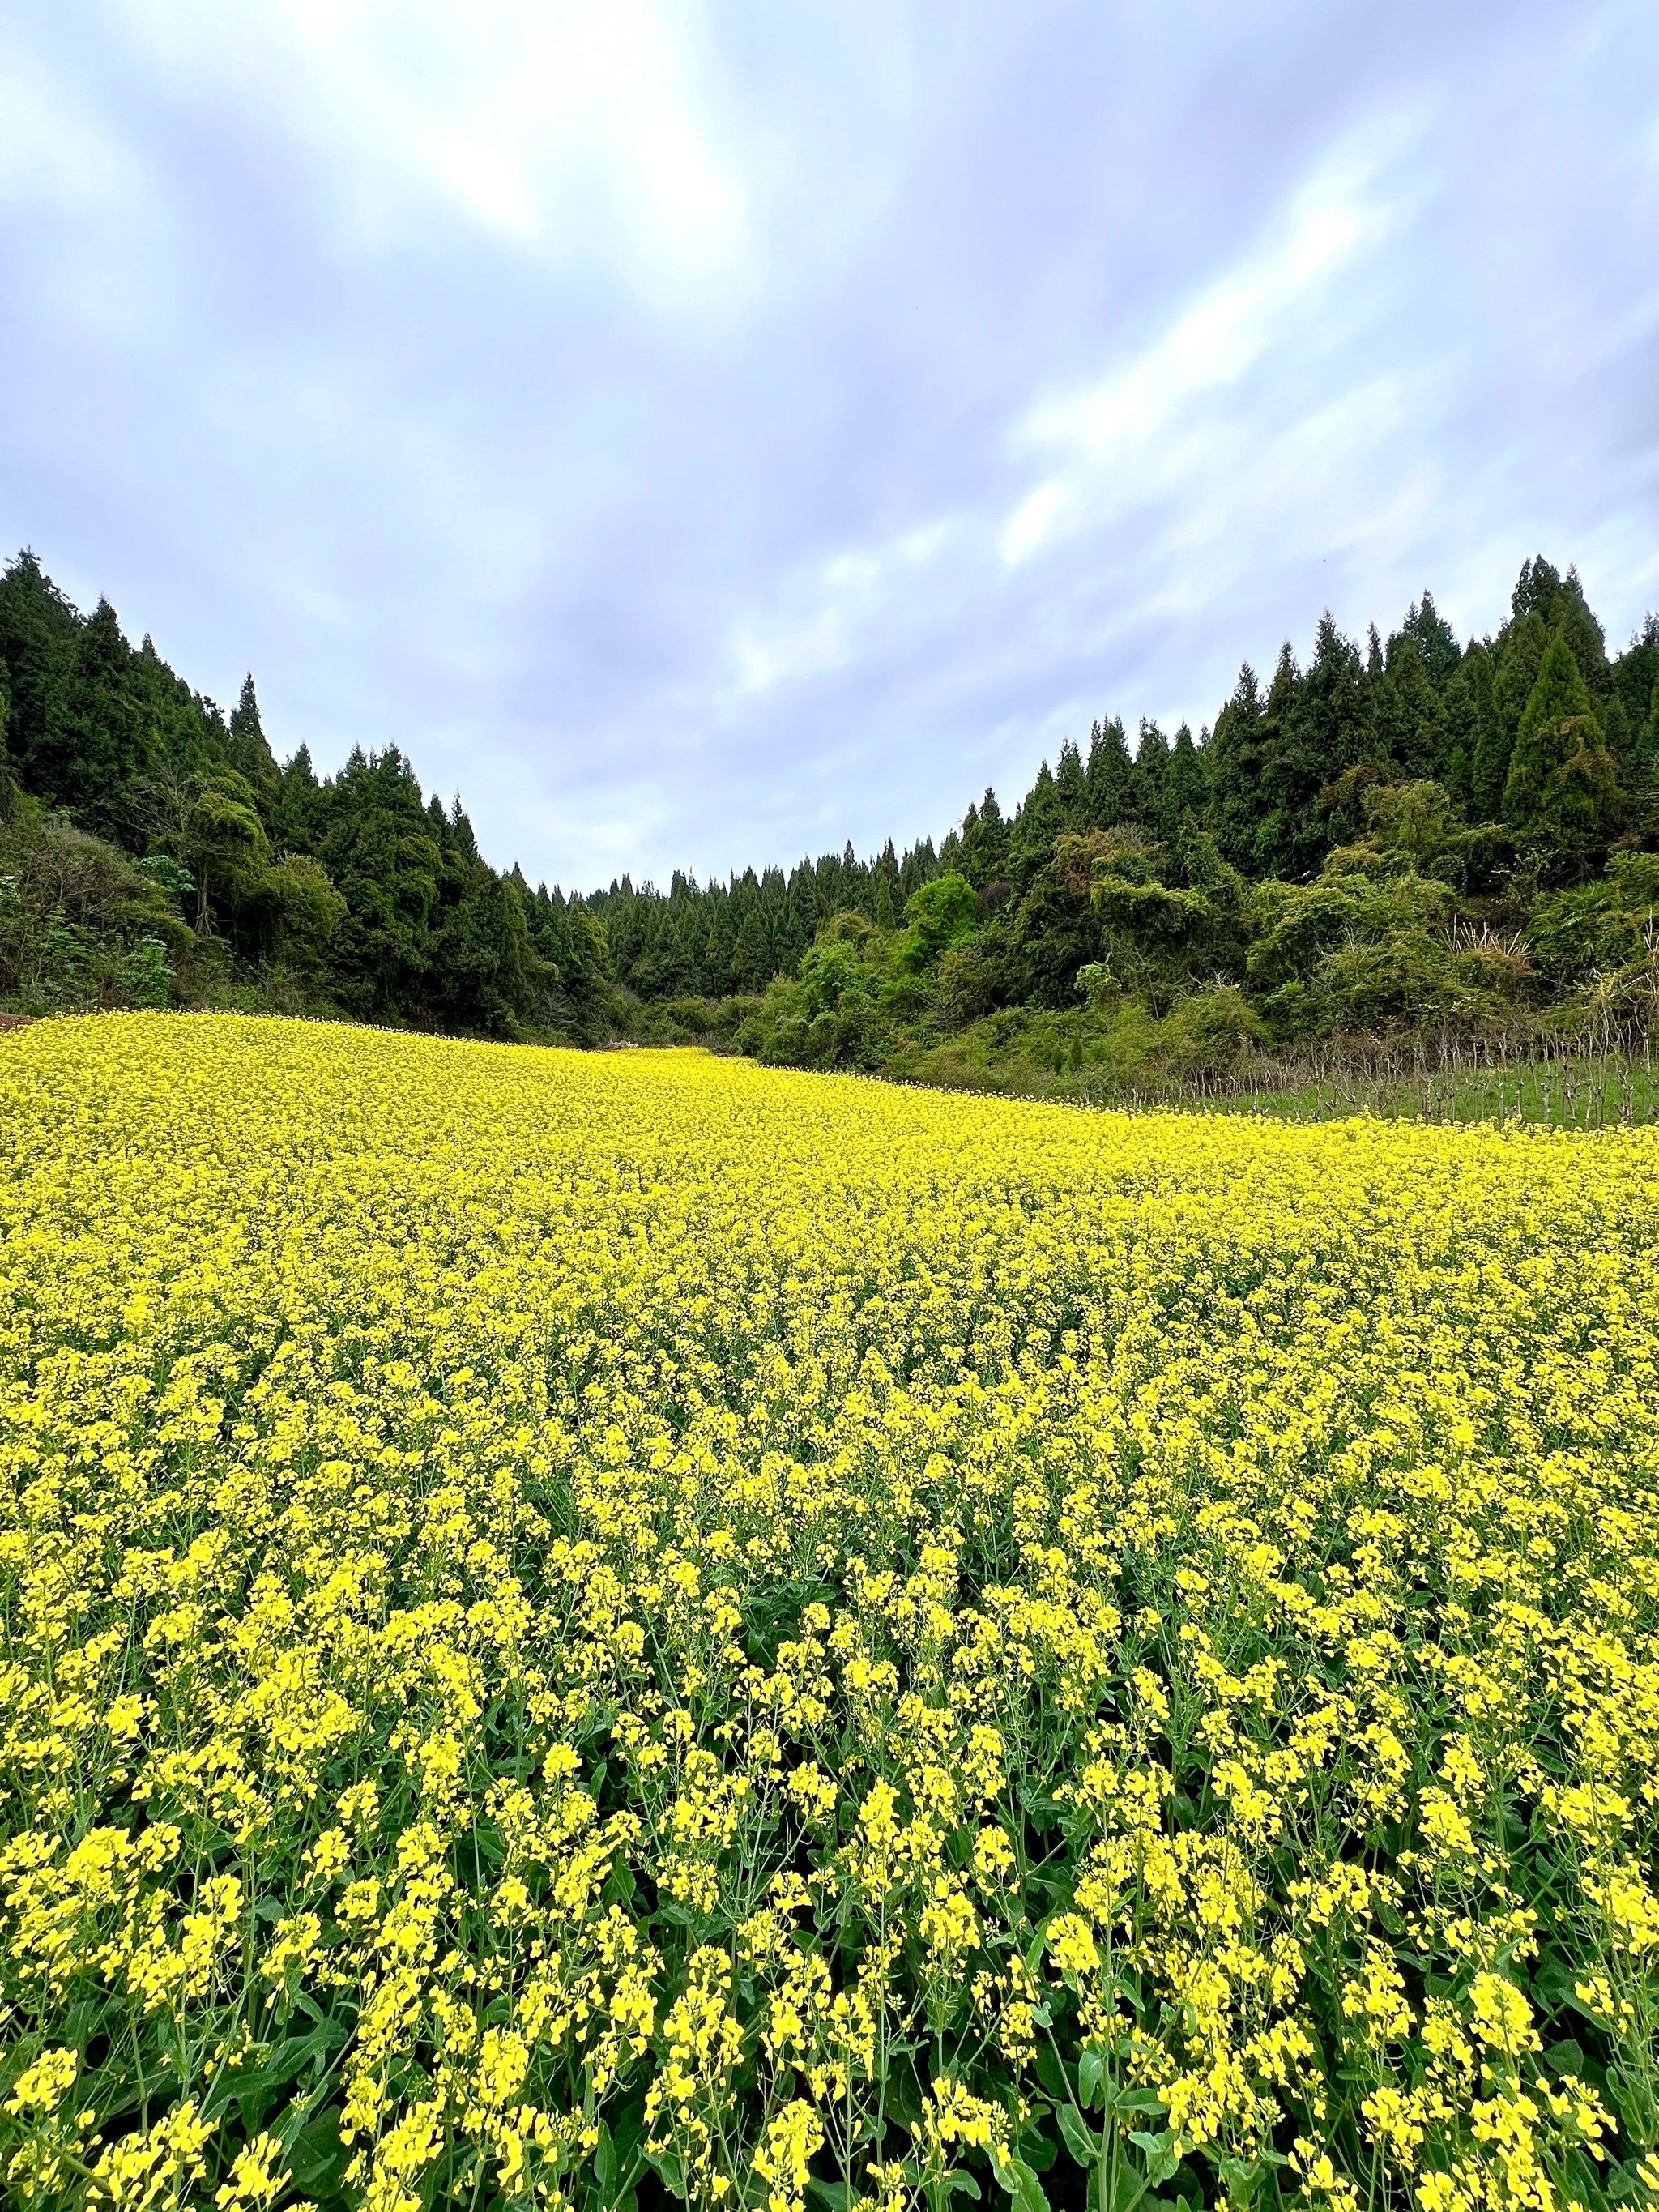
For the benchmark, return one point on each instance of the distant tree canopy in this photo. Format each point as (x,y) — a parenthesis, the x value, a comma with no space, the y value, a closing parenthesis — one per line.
(355,888)
(1316,854)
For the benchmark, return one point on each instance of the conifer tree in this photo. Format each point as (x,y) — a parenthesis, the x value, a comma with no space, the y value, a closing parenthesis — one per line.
(1113,793)
(38,632)
(1070,787)
(1520,654)
(920,866)
(1435,642)
(984,859)
(751,952)
(1151,767)
(1234,757)
(1470,726)
(1410,722)
(250,755)
(1587,641)
(1537,588)
(718,948)
(802,913)
(1562,790)
(97,742)
(1294,760)
(1036,825)
(1635,675)
(1185,795)
(1317,727)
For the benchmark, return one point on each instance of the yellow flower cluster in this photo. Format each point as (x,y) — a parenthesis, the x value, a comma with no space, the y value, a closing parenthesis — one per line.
(579,1627)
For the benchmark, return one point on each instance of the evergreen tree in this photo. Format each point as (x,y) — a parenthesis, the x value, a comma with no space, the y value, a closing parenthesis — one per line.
(1409,721)
(1472,749)
(1520,655)
(1431,636)
(1151,767)
(99,742)
(1186,794)
(1233,760)
(752,952)
(1310,734)
(1111,777)
(378,846)
(1587,641)
(1036,825)
(1562,791)
(38,632)
(1537,588)
(802,915)
(1635,680)
(984,859)
(918,867)
(1293,774)
(188,734)
(250,755)
(718,946)
(1072,787)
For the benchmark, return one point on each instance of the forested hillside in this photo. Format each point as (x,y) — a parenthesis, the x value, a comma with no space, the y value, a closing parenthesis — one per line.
(153,850)
(1417,834)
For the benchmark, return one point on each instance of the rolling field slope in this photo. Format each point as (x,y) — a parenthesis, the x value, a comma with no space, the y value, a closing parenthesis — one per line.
(591,1629)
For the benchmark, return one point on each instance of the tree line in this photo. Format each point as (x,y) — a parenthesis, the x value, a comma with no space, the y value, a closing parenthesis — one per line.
(1410,831)
(153,850)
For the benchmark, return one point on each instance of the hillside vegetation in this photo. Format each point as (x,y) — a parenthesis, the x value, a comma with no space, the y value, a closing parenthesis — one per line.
(1449,843)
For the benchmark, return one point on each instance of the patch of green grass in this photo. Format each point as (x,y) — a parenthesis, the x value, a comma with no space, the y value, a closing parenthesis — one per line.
(1583,1093)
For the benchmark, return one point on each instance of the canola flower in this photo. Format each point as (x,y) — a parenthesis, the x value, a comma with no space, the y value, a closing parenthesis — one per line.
(590,1630)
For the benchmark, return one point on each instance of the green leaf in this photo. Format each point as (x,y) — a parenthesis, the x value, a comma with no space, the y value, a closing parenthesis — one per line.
(1084,2145)
(317,2157)
(1033,2146)
(1051,2073)
(665,2164)
(1025,2190)
(1161,2161)
(1090,2078)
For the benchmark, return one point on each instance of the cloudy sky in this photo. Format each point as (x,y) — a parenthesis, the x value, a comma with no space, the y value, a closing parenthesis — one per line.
(701,434)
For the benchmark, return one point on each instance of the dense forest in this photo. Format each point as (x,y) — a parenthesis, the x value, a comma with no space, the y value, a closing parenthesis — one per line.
(152,851)
(1415,835)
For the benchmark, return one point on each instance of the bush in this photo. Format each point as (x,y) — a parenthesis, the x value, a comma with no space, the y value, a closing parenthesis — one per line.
(1210,1032)
(79,924)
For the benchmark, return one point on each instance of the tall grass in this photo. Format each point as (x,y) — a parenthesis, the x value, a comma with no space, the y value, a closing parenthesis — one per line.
(1427,1079)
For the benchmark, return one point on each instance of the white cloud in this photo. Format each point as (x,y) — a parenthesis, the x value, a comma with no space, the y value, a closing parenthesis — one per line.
(573,132)
(835,612)
(1273,410)
(1168,415)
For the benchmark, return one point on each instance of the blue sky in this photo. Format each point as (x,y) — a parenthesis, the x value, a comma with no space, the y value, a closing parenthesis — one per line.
(702,434)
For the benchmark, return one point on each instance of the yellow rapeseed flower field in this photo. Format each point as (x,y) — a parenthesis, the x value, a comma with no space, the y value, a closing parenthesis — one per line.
(587,1630)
